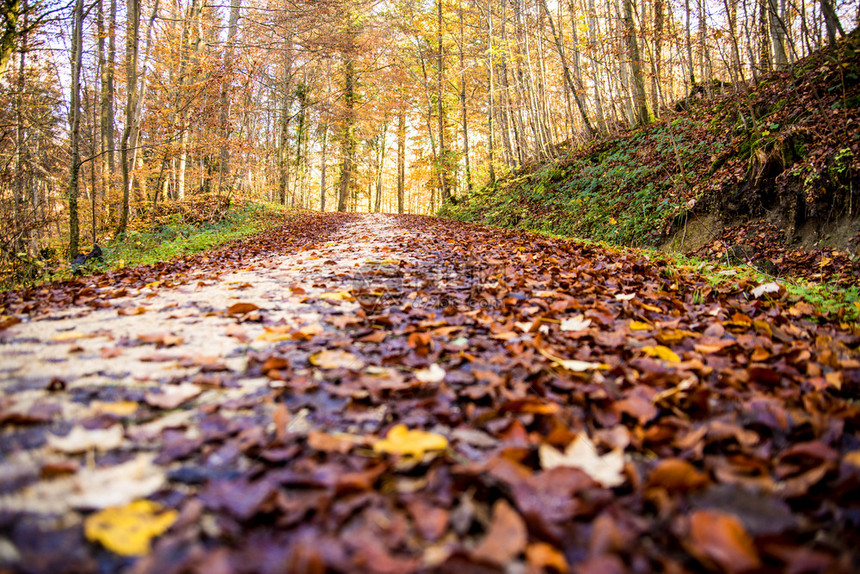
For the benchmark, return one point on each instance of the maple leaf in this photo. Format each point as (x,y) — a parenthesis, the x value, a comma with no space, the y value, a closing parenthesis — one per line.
(581,453)
(401,440)
(128,530)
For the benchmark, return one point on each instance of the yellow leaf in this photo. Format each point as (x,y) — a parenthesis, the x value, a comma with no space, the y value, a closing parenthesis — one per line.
(612,221)
(120,409)
(825,261)
(639,326)
(338,296)
(274,337)
(128,530)
(661,352)
(336,359)
(401,440)
(572,364)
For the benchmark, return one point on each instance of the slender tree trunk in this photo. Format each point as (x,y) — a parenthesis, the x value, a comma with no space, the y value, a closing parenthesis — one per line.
(401,156)
(348,143)
(75,126)
(656,87)
(323,166)
(777,36)
(380,165)
(589,130)
(444,155)
(692,74)
(490,72)
(640,101)
(18,193)
(463,110)
(831,21)
(131,53)
(224,154)
(765,63)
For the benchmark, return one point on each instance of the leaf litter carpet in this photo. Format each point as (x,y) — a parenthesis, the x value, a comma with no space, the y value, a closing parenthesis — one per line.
(366,393)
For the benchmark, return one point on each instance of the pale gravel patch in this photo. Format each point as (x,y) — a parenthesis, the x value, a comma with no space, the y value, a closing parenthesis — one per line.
(36,352)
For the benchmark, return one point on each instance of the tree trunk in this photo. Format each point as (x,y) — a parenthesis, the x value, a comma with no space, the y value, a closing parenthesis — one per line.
(323,166)
(490,104)
(131,53)
(463,111)
(689,44)
(777,36)
(443,159)
(75,126)
(380,166)
(640,101)
(831,21)
(348,142)
(224,154)
(401,156)
(589,130)
(765,63)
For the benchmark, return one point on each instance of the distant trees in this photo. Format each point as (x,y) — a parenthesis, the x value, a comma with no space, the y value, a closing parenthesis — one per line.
(342,104)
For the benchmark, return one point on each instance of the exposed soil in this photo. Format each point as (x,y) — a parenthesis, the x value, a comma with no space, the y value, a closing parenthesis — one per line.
(401,393)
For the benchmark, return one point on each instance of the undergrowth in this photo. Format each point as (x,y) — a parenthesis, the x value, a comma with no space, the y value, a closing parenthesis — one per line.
(171,238)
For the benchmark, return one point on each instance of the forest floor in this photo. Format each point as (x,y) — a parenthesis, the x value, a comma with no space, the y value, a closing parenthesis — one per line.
(401,393)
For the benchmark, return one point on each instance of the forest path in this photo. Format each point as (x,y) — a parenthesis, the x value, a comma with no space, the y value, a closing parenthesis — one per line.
(402,393)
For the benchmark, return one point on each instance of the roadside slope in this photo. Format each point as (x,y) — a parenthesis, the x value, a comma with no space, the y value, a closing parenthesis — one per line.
(773,169)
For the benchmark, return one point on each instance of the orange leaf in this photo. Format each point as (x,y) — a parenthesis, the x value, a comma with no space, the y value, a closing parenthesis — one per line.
(720,538)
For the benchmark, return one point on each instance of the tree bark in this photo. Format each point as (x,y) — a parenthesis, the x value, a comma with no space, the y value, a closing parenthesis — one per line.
(224,152)
(444,155)
(463,110)
(348,143)
(640,101)
(401,156)
(589,129)
(75,126)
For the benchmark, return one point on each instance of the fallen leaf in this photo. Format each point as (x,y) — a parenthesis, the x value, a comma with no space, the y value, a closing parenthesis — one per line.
(128,530)
(336,359)
(401,440)
(572,364)
(434,374)
(577,323)
(506,538)
(130,311)
(171,396)
(716,537)
(338,296)
(544,558)
(241,308)
(765,288)
(581,453)
(81,439)
(625,296)
(676,475)
(120,409)
(639,326)
(661,352)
